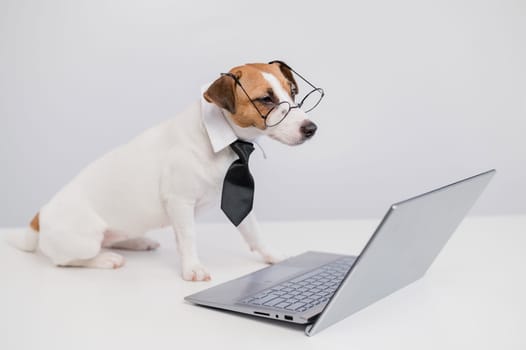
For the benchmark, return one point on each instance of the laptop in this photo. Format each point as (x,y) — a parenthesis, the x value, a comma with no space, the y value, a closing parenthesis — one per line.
(318,289)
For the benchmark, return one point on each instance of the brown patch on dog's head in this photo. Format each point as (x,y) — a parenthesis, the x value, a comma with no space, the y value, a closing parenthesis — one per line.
(35,223)
(226,94)
(291,84)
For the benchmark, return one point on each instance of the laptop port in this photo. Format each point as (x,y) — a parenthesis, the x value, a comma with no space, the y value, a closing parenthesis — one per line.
(261,313)
(288,318)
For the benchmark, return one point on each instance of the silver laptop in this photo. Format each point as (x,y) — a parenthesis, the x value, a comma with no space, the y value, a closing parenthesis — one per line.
(319,289)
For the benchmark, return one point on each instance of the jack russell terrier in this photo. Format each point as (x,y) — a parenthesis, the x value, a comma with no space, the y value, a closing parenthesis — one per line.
(167,173)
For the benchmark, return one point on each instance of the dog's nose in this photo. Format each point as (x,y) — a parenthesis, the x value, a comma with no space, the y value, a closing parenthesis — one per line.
(308,129)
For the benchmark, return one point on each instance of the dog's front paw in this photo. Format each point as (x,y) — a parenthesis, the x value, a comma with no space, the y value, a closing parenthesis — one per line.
(195,272)
(272,257)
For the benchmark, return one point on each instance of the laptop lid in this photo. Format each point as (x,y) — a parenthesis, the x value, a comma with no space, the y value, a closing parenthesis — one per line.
(402,248)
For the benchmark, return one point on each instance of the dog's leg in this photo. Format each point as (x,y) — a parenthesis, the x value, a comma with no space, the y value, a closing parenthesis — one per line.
(181,214)
(104,260)
(75,237)
(249,229)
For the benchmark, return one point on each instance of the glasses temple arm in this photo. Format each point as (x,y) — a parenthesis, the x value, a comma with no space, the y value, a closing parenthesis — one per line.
(298,74)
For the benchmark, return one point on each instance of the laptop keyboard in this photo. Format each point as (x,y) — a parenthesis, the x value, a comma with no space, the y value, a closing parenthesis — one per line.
(305,291)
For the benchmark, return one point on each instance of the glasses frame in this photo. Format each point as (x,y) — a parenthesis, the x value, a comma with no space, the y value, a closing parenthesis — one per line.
(284,103)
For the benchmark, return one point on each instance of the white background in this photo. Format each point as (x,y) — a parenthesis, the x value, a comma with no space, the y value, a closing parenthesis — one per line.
(419,93)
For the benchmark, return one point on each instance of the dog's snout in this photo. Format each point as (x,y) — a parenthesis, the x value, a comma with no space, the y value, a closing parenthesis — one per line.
(308,129)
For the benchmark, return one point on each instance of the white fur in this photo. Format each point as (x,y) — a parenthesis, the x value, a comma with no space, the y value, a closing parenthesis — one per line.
(26,240)
(160,178)
(104,260)
(288,131)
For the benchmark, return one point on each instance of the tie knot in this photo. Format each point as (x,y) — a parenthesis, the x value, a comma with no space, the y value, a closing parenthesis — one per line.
(242,149)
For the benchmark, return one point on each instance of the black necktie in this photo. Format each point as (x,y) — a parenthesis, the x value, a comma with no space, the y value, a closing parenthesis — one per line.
(238,186)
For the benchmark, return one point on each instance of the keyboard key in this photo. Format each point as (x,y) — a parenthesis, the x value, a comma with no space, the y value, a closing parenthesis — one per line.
(295,306)
(282,305)
(279,292)
(268,298)
(274,302)
(261,294)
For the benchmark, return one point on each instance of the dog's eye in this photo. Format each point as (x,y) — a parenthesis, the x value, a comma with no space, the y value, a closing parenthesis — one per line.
(293,91)
(266,100)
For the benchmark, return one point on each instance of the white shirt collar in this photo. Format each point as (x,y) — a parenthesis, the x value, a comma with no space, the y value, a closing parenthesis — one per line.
(217,127)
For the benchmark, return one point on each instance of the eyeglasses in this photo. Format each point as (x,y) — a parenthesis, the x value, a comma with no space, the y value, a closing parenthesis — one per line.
(310,101)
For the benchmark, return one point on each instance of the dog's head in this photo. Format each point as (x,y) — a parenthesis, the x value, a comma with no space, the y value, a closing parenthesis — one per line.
(260,99)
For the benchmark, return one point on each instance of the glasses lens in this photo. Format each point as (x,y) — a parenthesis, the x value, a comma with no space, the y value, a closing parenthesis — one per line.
(311,100)
(277,114)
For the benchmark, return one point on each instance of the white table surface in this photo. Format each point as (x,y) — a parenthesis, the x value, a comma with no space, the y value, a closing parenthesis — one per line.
(473,296)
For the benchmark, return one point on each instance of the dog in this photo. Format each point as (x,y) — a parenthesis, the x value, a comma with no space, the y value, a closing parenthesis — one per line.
(166,174)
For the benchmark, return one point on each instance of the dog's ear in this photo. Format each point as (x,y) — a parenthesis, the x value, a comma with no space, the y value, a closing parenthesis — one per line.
(287,73)
(222,93)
